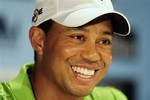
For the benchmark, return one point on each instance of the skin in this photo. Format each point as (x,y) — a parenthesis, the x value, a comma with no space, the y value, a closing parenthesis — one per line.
(89,46)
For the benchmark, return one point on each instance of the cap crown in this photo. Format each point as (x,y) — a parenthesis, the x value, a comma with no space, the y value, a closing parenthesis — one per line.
(47,9)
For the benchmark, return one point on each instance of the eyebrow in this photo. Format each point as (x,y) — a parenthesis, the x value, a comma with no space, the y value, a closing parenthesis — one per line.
(78,29)
(109,33)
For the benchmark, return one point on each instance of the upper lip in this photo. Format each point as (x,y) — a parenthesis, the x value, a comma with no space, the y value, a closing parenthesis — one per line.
(89,67)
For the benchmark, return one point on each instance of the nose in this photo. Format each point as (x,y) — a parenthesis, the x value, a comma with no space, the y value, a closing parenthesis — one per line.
(91,54)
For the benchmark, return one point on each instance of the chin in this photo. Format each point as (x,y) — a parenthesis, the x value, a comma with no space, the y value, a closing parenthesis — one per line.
(82,92)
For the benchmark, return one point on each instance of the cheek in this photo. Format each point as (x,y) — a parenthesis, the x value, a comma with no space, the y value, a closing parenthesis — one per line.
(107,57)
(68,51)
(71,51)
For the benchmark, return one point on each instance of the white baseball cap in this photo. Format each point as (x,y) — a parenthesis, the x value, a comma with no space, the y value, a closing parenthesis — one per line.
(74,13)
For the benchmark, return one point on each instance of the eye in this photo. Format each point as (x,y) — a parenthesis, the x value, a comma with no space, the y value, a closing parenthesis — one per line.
(78,37)
(105,42)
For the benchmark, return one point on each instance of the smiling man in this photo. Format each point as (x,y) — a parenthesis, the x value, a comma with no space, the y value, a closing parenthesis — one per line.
(72,40)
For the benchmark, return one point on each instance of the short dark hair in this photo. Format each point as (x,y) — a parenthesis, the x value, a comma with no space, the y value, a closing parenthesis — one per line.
(45,26)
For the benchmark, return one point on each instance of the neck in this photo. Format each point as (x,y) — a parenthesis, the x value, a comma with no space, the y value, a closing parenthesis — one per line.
(44,90)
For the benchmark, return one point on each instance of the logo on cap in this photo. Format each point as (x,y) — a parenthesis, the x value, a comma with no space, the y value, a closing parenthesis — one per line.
(36,13)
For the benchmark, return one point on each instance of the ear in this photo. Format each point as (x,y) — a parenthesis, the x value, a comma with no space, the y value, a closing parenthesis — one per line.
(37,38)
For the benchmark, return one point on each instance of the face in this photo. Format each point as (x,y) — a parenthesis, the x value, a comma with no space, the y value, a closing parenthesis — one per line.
(75,59)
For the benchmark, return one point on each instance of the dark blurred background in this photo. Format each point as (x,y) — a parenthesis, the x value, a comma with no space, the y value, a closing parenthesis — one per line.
(131,64)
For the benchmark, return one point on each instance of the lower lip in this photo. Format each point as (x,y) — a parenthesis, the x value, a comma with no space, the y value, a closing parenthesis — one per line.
(87,80)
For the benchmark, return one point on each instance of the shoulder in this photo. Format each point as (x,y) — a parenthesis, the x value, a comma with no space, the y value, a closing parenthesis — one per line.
(12,90)
(5,92)
(106,93)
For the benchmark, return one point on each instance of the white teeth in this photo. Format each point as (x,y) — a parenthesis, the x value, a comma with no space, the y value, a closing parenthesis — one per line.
(83,71)
(85,76)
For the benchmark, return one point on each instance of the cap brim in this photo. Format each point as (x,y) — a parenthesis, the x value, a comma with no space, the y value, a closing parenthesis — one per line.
(80,17)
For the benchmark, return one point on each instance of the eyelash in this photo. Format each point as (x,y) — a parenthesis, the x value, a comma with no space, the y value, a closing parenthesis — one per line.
(78,37)
(105,42)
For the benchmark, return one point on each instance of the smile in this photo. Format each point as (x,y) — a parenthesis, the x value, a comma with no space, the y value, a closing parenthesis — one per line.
(83,72)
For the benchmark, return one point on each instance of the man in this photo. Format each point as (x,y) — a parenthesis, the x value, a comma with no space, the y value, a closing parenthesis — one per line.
(72,40)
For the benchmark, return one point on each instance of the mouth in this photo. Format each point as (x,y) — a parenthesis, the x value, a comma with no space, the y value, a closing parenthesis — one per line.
(84,74)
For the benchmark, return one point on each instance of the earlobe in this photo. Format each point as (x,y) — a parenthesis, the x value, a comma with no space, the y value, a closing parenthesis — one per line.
(37,38)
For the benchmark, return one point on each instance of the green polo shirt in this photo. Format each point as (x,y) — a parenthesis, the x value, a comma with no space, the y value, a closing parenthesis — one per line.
(20,89)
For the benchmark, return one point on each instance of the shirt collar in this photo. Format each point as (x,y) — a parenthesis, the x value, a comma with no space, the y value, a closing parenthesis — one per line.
(21,86)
